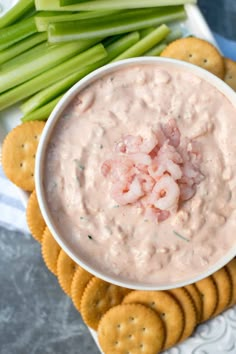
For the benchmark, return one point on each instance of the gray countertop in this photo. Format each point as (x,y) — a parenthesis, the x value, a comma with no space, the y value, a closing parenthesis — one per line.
(36,317)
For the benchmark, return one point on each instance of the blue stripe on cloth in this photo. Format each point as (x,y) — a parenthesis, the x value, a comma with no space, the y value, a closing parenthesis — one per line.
(15,203)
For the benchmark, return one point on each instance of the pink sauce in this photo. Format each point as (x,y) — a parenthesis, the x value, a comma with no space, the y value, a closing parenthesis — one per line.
(119,239)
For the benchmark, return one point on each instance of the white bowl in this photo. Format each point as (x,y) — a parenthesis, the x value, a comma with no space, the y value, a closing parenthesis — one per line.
(55,115)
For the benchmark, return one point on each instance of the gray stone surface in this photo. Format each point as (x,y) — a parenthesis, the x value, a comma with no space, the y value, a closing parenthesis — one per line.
(36,317)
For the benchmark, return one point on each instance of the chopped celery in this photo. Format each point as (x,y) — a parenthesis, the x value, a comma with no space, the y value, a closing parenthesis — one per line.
(43,112)
(43,19)
(19,74)
(16,12)
(54,5)
(156,51)
(112,25)
(15,33)
(44,96)
(26,57)
(22,47)
(70,2)
(49,77)
(145,44)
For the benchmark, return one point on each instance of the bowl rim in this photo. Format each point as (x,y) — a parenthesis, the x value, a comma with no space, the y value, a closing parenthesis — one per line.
(50,124)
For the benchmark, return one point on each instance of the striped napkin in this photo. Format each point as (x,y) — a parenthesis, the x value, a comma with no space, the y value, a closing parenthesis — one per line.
(12,211)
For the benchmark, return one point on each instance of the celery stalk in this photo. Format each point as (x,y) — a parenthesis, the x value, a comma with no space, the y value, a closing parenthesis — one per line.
(43,112)
(54,5)
(16,12)
(15,33)
(43,19)
(144,32)
(22,47)
(70,2)
(49,77)
(44,96)
(26,57)
(112,25)
(156,51)
(145,44)
(19,74)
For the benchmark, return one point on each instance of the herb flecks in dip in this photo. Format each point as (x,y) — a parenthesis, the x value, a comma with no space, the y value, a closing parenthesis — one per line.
(125,242)
(153,173)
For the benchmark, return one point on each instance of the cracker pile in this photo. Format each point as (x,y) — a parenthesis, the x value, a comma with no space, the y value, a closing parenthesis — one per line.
(127,321)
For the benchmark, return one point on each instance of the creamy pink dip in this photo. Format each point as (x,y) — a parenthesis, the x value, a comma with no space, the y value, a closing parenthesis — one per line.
(119,240)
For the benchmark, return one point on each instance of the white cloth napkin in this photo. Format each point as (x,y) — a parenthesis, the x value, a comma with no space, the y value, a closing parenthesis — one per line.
(12,211)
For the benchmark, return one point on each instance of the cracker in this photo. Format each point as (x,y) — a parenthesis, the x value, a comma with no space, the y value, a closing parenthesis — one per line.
(130,329)
(197,299)
(230,73)
(80,280)
(18,154)
(66,268)
(99,296)
(198,52)
(208,290)
(231,268)
(50,251)
(34,218)
(167,307)
(190,313)
(225,290)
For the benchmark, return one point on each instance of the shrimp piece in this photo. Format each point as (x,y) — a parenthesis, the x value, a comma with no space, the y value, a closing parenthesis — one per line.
(160,166)
(168,152)
(130,144)
(127,193)
(186,191)
(171,131)
(120,169)
(149,143)
(156,215)
(165,194)
(140,158)
(147,182)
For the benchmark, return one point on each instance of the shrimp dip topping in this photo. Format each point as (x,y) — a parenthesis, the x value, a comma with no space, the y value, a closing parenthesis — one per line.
(140,174)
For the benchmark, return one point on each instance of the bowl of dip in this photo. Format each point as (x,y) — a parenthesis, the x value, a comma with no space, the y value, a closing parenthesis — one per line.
(136,173)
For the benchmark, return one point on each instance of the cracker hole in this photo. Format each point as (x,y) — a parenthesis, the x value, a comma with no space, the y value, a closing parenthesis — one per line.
(144,329)
(131,318)
(230,77)
(130,336)
(36,137)
(190,56)
(118,326)
(205,61)
(33,156)
(21,164)
(32,175)
(163,314)
(141,346)
(23,145)
(116,343)
(153,303)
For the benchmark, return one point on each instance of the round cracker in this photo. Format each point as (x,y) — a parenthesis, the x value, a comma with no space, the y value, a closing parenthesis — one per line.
(208,290)
(224,287)
(197,299)
(98,297)
(66,268)
(167,307)
(50,251)
(34,218)
(131,328)
(230,73)
(18,154)
(198,52)
(231,268)
(190,312)
(80,280)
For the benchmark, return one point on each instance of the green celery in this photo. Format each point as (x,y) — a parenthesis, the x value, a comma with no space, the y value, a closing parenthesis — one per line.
(16,12)
(26,57)
(70,2)
(22,47)
(43,112)
(145,44)
(54,5)
(49,77)
(43,19)
(19,74)
(15,33)
(44,96)
(112,25)
(144,32)
(156,51)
